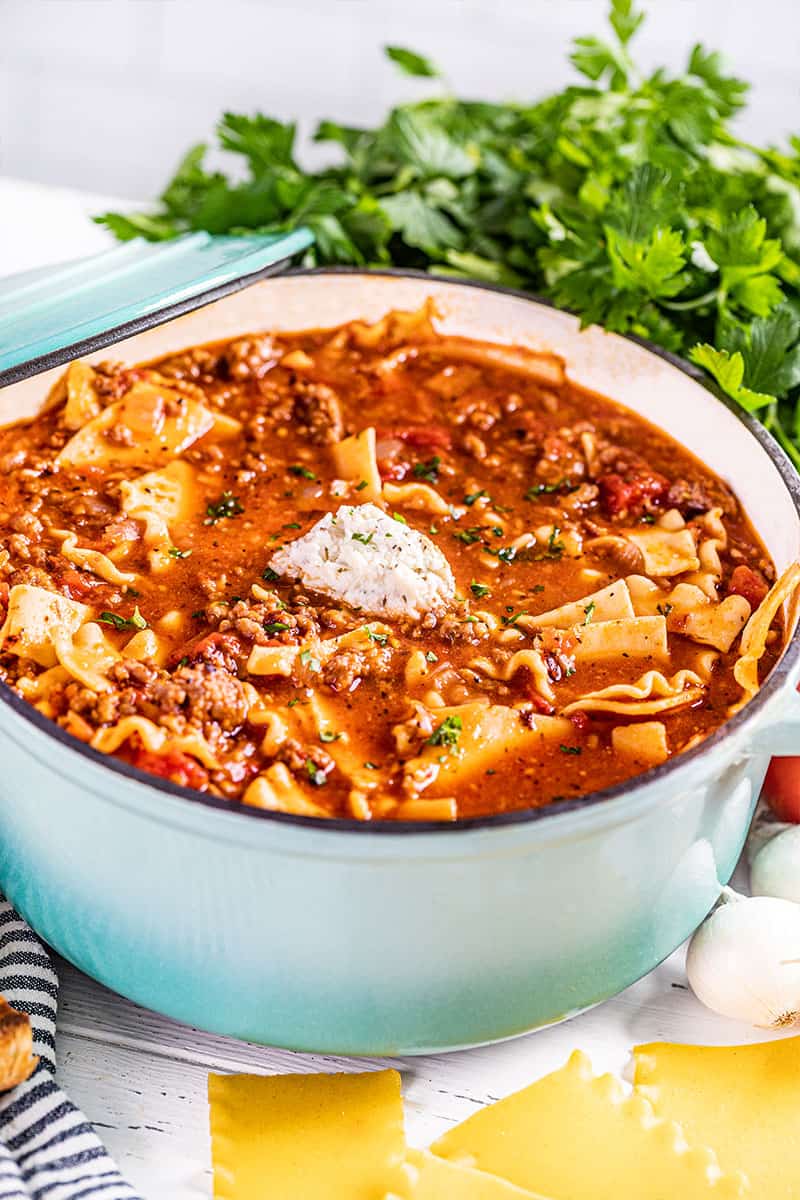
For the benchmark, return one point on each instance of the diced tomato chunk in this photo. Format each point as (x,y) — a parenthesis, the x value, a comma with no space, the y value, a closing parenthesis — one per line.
(630,497)
(744,581)
(79,587)
(420,437)
(174,765)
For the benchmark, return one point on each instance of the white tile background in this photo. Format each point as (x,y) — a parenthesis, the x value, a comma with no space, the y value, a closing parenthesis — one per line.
(105,94)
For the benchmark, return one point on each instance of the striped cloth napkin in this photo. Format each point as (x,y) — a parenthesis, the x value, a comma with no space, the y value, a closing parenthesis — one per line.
(48,1149)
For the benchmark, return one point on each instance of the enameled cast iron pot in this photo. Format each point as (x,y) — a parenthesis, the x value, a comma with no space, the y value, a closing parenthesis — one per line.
(386,938)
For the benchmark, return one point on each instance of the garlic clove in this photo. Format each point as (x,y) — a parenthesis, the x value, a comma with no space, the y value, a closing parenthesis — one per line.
(775,870)
(744,961)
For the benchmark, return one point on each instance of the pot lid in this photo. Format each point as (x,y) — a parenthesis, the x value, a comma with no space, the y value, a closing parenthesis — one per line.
(53,315)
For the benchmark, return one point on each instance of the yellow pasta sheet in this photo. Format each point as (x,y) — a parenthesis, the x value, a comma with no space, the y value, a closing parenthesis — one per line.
(756,631)
(742,1100)
(38,620)
(435,1178)
(609,604)
(652,693)
(632,637)
(307,1137)
(159,499)
(487,734)
(666,552)
(355,460)
(161,424)
(576,1136)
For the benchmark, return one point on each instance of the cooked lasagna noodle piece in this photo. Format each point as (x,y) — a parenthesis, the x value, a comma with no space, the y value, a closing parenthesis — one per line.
(373,572)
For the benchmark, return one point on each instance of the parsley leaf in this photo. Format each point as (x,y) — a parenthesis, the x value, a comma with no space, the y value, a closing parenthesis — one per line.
(226,506)
(136,621)
(473,496)
(411,63)
(446,734)
(428,470)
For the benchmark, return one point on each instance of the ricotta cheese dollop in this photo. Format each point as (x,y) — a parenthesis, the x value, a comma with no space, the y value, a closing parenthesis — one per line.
(371,561)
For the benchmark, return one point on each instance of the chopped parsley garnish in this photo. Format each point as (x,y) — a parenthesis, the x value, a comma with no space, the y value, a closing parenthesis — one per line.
(174,552)
(374,636)
(182,662)
(468,536)
(291,703)
(550,489)
(473,496)
(291,525)
(507,554)
(537,587)
(588,610)
(276,626)
(371,766)
(269,575)
(664,609)
(198,614)
(364,538)
(647,519)
(555,547)
(479,589)
(360,486)
(431,657)
(137,621)
(303,472)
(570,749)
(132,591)
(513,620)
(227,506)
(308,660)
(446,734)
(315,774)
(399,517)
(327,735)
(428,470)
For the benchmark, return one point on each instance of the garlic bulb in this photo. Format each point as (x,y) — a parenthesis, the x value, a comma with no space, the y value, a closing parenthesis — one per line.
(764,828)
(744,960)
(775,870)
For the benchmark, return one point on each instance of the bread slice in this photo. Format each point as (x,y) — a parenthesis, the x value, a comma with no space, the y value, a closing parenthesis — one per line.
(17,1060)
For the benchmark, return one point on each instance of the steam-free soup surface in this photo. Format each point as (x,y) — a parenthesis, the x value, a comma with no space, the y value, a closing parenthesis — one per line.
(526,592)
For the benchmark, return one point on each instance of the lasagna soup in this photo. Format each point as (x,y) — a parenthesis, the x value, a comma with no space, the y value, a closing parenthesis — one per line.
(373,572)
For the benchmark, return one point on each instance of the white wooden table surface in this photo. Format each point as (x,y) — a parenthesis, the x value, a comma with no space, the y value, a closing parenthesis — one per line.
(141,1079)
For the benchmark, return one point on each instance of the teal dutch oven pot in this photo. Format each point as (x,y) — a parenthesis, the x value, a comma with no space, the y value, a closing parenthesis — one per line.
(381,938)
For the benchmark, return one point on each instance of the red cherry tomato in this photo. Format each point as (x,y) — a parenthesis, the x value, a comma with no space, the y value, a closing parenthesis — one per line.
(782,788)
(174,765)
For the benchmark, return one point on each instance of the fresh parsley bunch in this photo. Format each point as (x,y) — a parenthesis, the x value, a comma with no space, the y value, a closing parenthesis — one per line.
(627,199)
